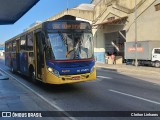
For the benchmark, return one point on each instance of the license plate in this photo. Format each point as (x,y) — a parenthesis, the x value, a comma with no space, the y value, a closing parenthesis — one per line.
(76,78)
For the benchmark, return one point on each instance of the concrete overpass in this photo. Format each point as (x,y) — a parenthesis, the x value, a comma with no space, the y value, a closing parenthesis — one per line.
(83,11)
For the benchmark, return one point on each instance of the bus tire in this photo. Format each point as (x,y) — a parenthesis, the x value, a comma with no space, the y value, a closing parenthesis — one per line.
(33,78)
(12,70)
(32,75)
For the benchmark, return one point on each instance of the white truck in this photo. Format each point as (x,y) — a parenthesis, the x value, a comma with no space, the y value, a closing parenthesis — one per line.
(147,53)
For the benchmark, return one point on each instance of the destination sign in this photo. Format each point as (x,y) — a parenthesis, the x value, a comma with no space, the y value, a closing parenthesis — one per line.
(65,25)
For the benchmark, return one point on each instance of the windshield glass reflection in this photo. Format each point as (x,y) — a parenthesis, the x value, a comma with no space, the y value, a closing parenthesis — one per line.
(66,46)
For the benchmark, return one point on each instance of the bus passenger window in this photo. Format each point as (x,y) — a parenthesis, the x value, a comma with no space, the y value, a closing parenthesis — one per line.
(10,46)
(23,43)
(14,46)
(7,47)
(30,42)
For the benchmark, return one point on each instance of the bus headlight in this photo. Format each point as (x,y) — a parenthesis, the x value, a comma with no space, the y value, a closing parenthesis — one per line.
(92,69)
(53,71)
(50,69)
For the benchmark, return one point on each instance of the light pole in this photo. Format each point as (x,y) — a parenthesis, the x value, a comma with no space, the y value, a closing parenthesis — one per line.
(67,4)
(136,61)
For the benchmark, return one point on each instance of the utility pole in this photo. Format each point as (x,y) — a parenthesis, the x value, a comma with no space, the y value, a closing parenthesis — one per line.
(67,7)
(136,61)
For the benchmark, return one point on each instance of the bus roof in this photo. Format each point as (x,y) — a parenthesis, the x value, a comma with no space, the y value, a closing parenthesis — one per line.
(63,24)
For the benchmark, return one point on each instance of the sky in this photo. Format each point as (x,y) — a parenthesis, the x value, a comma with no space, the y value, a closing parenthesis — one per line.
(43,10)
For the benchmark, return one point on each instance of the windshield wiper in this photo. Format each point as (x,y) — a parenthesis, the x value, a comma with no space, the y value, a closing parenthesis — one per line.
(63,39)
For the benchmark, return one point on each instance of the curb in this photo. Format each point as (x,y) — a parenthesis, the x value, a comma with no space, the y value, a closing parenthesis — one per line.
(129,70)
(3,76)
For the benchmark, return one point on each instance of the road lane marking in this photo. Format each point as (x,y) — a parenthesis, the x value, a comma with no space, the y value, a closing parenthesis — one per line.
(43,98)
(144,99)
(104,77)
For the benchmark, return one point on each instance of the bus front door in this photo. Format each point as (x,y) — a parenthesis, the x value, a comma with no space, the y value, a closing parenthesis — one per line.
(39,54)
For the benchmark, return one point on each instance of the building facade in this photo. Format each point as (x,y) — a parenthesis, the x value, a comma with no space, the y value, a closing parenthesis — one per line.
(114,23)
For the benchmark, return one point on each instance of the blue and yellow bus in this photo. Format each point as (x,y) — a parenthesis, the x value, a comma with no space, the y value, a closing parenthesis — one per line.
(54,52)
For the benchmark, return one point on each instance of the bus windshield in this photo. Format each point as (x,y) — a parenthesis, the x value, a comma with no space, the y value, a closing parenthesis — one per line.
(67,46)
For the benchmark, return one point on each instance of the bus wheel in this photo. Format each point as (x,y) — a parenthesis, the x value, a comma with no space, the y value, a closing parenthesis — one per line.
(32,76)
(12,70)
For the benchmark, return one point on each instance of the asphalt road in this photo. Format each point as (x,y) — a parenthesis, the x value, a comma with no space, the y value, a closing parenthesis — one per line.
(111,91)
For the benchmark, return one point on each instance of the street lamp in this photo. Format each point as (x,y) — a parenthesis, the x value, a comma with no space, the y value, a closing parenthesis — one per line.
(136,61)
(67,4)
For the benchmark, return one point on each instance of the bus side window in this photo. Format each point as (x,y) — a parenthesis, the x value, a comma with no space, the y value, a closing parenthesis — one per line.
(23,43)
(10,46)
(14,46)
(30,41)
(6,47)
